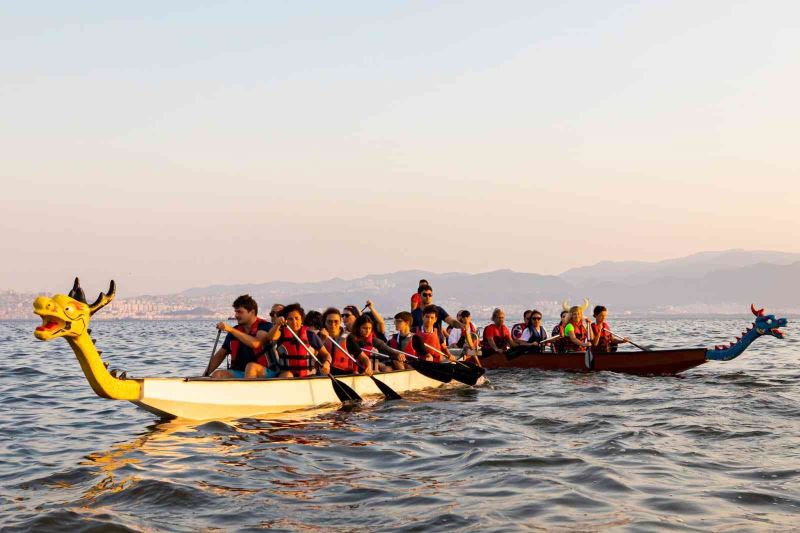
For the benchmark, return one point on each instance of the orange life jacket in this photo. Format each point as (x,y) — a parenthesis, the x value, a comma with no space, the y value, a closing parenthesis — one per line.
(431,338)
(341,361)
(580,333)
(296,359)
(236,344)
(394,342)
(606,339)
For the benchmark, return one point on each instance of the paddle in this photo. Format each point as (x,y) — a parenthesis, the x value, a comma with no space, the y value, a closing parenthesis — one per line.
(343,391)
(387,391)
(467,374)
(589,358)
(517,351)
(632,343)
(213,351)
(437,371)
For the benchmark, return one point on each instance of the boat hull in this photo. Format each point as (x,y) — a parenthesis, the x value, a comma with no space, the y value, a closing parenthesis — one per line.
(656,362)
(204,398)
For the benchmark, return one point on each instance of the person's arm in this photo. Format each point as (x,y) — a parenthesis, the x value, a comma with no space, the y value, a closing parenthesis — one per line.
(275,333)
(256,343)
(595,340)
(380,324)
(215,361)
(450,321)
(576,340)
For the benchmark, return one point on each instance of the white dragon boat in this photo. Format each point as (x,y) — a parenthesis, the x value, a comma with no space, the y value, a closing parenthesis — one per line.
(198,398)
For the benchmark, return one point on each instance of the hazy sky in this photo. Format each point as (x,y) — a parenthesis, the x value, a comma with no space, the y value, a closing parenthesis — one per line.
(177,144)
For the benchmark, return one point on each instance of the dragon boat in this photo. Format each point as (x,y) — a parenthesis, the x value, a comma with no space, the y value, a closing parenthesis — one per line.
(641,362)
(198,398)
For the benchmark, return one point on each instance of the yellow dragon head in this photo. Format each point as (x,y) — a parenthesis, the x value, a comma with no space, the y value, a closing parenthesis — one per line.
(68,315)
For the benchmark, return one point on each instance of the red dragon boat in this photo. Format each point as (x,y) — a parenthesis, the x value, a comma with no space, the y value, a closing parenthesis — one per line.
(642,362)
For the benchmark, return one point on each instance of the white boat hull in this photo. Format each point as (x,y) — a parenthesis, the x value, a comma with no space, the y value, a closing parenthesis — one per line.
(204,398)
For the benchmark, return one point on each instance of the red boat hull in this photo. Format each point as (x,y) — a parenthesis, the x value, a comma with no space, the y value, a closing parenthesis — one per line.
(653,363)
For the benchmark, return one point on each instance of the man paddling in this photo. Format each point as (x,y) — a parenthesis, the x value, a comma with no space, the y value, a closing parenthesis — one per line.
(426,300)
(245,342)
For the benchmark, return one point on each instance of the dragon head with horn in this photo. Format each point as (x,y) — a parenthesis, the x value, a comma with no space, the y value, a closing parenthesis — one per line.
(68,315)
(767,324)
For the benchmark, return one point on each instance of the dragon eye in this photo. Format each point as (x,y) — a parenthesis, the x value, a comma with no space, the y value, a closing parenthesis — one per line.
(68,309)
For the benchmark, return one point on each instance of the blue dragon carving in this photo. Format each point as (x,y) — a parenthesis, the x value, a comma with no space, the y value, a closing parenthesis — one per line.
(763,325)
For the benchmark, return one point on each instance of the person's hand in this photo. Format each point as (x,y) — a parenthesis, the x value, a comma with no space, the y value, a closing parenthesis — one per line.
(534,343)
(223,326)
(369,305)
(323,333)
(280,321)
(326,368)
(587,320)
(401,357)
(452,358)
(368,370)
(625,339)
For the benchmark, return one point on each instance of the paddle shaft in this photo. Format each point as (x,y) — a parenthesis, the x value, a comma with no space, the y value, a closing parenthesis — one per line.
(353,397)
(213,351)
(389,393)
(632,343)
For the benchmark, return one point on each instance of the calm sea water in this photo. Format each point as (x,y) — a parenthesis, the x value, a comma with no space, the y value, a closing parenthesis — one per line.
(715,449)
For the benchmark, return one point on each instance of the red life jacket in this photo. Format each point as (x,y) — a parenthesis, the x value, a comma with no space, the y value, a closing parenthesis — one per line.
(604,344)
(500,339)
(517,329)
(258,355)
(297,359)
(559,345)
(394,342)
(580,333)
(340,359)
(431,338)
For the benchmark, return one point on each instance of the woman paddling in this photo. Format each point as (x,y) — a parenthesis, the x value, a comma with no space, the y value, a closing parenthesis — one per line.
(575,332)
(291,347)
(335,339)
(362,340)
(534,334)
(602,339)
(559,345)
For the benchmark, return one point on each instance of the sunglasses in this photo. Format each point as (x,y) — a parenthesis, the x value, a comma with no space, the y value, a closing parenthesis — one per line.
(537,318)
(272,313)
(346,315)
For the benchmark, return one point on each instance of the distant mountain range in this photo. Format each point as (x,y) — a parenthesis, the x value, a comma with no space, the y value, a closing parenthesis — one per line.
(726,282)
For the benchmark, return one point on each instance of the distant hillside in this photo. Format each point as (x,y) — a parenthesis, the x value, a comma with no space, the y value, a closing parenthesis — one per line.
(693,266)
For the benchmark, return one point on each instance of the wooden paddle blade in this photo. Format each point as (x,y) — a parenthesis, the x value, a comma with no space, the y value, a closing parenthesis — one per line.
(343,391)
(468,375)
(387,391)
(436,371)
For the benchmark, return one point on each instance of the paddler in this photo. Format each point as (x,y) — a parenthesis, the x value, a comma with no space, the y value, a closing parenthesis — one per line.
(401,342)
(575,332)
(534,334)
(496,336)
(517,329)
(332,331)
(429,341)
(245,342)
(426,300)
(362,340)
(290,354)
(560,343)
(603,340)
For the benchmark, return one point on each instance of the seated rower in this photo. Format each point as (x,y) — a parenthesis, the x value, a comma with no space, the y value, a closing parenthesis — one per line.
(517,329)
(290,354)
(401,342)
(350,313)
(362,340)
(534,334)
(428,334)
(496,337)
(559,345)
(603,340)
(332,331)
(575,332)
(245,342)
